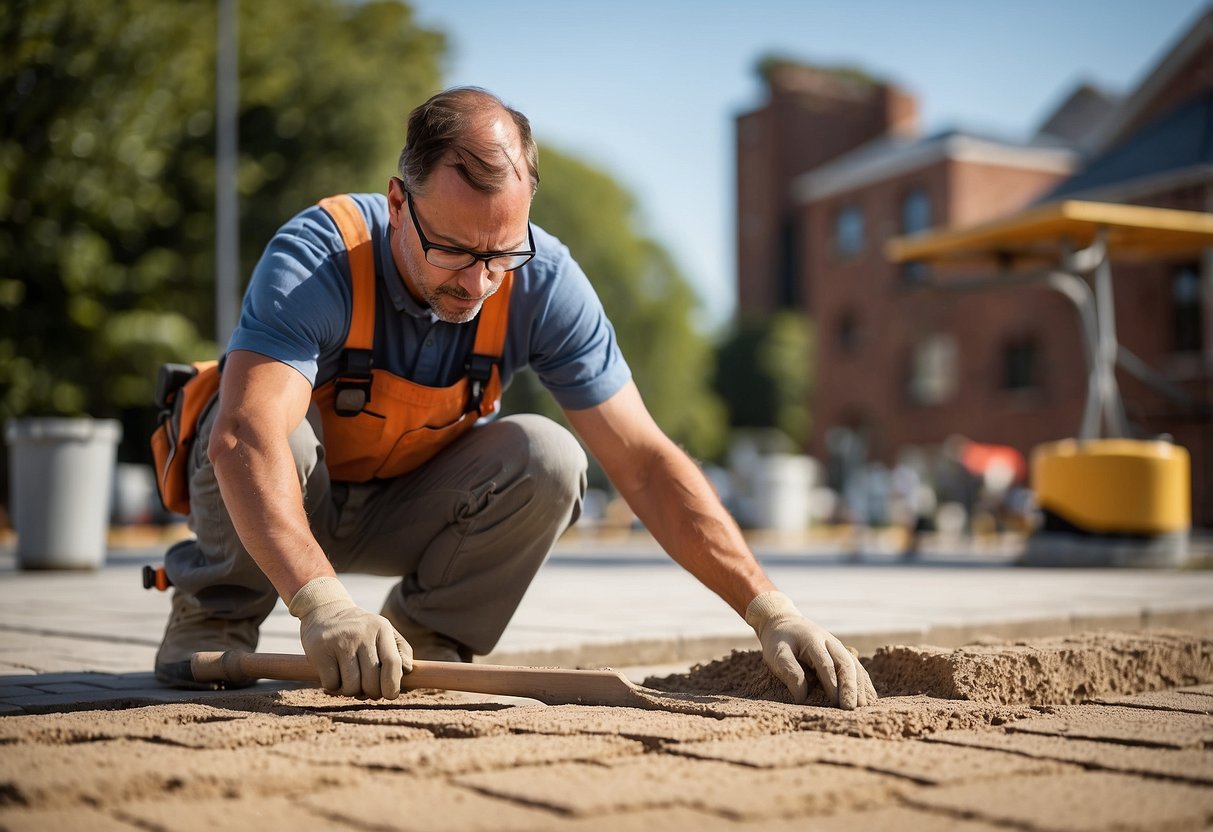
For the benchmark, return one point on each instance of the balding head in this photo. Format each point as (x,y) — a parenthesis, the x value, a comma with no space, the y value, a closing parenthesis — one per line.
(474,132)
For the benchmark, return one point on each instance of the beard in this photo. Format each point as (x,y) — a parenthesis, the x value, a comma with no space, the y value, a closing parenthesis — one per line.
(447,302)
(451,304)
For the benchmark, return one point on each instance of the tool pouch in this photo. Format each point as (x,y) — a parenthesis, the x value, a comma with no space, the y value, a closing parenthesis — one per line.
(182,392)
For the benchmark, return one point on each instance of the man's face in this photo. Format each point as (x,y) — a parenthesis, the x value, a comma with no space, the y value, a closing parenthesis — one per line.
(453,213)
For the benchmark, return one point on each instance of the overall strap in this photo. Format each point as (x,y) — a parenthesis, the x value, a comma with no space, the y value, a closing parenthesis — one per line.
(490,341)
(353,380)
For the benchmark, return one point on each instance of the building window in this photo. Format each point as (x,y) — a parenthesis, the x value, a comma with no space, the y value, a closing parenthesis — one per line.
(915,217)
(788,292)
(1020,365)
(1187,309)
(934,370)
(848,231)
(848,333)
(915,212)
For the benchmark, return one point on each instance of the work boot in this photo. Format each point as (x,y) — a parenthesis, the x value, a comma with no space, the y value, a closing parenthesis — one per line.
(427,644)
(192,629)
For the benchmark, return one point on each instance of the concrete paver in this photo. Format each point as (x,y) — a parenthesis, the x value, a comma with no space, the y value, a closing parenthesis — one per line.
(891,819)
(887,819)
(264,814)
(435,757)
(650,782)
(414,804)
(650,820)
(102,697)
(1136,726)
(914,760)
(1094,802)
(1197,690)
(910,717)
(626,722)
(564,720)
(30,678)
(113,773)
(40,820)
(1180,764)
(180,724)
(1166,700)
(452,723)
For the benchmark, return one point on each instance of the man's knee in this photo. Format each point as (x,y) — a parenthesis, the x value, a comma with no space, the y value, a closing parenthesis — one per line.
(553,458)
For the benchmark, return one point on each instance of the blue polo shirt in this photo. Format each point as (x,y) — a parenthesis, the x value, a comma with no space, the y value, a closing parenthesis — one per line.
(297,310)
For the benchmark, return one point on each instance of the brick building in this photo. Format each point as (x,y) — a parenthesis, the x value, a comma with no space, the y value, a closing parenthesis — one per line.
(831,167)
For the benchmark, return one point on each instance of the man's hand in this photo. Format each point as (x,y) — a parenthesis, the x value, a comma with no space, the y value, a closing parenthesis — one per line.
(790,640)
(356,652)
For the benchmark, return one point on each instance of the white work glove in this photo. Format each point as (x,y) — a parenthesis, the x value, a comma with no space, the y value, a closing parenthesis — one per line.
(790,640)
(356,652)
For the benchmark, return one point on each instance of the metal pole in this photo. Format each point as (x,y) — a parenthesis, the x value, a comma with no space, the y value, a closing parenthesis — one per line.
(1105,309)
(227,206)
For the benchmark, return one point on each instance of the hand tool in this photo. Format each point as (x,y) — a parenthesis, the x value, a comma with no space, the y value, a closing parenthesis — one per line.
(154,577)
(552,686)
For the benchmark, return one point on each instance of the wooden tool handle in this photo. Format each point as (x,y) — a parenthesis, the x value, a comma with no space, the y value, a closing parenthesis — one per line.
(554,686)
(240,667)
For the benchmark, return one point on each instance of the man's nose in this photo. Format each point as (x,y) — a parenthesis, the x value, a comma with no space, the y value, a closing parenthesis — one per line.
(476,279)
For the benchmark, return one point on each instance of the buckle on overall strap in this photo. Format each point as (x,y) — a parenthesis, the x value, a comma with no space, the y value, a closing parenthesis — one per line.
(480,370)
(352,384)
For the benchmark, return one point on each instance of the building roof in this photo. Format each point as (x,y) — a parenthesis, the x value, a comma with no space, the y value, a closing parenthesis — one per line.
(892,156)
(1178,141)
(1174,60)
(1078,119)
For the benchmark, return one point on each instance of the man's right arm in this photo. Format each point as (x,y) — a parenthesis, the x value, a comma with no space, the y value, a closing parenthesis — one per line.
(261,402)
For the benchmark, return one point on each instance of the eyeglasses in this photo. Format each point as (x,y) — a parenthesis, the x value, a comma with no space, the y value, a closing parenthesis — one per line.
(454,258)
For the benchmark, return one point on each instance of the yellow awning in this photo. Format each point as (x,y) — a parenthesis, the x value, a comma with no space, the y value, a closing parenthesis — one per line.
(1134,232)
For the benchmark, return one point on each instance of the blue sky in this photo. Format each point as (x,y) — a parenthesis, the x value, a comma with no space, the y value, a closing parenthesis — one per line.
(648,90)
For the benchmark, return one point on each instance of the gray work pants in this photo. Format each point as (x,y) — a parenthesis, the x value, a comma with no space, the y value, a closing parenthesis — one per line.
(466,531)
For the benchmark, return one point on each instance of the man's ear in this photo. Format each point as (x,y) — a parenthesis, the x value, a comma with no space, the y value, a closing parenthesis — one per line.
(395,201)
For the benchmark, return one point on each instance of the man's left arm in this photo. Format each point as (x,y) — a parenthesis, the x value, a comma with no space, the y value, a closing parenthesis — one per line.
(679,507)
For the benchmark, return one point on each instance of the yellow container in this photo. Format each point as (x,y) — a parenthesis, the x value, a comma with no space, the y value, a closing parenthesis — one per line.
(1115,486)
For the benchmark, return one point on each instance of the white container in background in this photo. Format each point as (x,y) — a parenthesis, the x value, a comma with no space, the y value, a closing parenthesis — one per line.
(60,479)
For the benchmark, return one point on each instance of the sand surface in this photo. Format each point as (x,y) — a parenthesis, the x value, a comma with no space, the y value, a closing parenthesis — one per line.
(1096,731)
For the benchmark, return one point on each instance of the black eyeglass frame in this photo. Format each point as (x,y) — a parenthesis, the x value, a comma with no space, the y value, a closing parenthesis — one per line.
(484,257)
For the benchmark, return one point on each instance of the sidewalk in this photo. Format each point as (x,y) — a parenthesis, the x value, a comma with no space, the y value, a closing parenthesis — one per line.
(619,603)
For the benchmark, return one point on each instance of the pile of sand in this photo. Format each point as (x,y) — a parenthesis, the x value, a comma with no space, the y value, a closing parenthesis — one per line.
(1052,671)
(1048,671)
(742,673)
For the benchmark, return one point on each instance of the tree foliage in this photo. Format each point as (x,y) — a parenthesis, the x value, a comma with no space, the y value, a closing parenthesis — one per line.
(764,374)
(107,171)
(107,193)
(773,63)
(646,297)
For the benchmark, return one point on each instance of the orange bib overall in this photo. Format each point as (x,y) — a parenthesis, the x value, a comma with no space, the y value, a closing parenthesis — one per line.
(375,424)
(379,425)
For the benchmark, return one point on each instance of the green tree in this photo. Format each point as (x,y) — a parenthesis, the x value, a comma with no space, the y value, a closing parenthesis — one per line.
(644,294)
(764,374)
(107,172)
